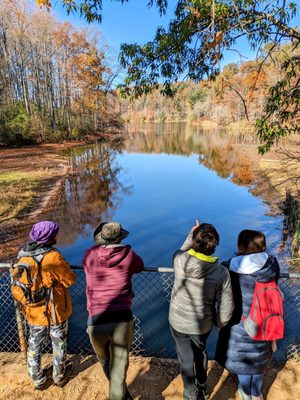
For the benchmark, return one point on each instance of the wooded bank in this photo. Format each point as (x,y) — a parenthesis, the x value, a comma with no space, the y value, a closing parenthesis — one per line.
(55,78)
(237,96)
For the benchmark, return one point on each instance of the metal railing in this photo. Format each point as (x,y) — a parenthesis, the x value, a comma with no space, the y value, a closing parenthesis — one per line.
(152,290)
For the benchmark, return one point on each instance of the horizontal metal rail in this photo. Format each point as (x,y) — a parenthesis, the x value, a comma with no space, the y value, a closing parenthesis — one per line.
(287,275)
(152,290)
(6,266)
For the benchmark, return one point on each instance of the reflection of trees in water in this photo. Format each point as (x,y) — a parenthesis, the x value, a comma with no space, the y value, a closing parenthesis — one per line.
(162,138)
(228,163)
(92,192)
(217,150)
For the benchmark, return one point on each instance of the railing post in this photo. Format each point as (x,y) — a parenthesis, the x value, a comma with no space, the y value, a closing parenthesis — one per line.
(20,326)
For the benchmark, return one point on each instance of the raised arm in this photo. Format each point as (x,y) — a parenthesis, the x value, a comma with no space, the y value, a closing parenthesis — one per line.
(187,244)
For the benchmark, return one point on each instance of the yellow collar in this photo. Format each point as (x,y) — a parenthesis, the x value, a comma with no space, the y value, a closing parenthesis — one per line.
(202,257)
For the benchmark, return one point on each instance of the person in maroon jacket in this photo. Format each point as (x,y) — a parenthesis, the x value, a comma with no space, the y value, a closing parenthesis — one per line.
(109,267)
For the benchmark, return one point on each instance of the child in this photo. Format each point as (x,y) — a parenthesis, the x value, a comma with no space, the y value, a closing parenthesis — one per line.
(201,296)
(236,350)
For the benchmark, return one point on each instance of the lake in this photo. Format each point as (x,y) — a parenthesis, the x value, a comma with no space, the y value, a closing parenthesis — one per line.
(156,183)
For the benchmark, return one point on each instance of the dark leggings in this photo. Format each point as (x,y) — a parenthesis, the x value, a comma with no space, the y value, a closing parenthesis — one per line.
(251,384)
(192,356)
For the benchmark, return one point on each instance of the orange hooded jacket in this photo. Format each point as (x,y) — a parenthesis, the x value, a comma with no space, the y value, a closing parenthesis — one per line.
(57,275)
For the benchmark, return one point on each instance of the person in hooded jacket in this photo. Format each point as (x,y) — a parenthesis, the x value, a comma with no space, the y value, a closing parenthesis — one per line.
(201,296)
(52,315)
(109,266)
(236,350)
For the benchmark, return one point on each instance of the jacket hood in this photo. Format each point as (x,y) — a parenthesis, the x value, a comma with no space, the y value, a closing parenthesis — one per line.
(198,266)
(34,249)
(249,263)
(113,254)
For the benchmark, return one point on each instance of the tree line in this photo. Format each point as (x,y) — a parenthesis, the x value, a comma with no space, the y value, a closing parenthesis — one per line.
(194,42)
(55,81)
(237,95)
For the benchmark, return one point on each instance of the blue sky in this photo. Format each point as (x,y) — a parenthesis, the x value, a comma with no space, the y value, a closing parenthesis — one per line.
(133,22)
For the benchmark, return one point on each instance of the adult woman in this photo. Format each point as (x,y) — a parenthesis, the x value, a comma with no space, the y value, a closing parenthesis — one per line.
(109,267)
(236,350)
(49,306)
(201,296)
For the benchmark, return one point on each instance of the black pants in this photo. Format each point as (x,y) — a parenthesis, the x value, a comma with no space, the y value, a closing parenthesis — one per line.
(192,356)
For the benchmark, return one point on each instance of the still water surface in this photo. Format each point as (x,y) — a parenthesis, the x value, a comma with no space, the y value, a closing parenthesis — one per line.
(156,184)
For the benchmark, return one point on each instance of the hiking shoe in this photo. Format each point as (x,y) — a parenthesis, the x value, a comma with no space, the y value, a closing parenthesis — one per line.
(202,392)
(68,372)
(243,395)
(127,395)
(39,387)
(41,384)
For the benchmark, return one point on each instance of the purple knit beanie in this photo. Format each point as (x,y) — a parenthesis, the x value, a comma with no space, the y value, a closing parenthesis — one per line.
(44,232)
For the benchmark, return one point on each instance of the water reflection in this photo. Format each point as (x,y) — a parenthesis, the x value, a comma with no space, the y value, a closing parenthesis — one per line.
(164,190)
(218,150)
(156,183)
(92,191)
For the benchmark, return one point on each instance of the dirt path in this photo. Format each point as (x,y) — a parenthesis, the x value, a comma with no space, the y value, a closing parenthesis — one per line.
(48,168)
(44,166)
(148,379)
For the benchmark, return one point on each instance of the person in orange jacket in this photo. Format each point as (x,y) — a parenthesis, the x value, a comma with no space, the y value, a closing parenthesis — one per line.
(50,305)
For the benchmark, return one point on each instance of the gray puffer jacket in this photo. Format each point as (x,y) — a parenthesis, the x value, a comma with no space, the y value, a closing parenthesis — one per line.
(201,295)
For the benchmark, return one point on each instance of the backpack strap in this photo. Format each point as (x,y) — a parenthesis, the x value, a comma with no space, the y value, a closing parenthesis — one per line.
(21,268)
(49,291)
(26,288)
(38,260)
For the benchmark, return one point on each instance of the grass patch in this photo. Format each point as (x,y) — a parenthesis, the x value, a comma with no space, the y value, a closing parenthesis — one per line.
(17,190)
(236,128)
(282,175)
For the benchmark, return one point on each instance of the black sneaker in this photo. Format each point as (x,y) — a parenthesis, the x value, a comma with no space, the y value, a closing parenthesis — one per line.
(202,392)
(68,373)
(127,395)
(40,387)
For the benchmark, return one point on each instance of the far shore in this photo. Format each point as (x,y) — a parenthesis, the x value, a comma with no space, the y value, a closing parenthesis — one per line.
(236,126)
(31,178)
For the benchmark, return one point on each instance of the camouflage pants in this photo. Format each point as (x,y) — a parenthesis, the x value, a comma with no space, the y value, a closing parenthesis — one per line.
(37,337)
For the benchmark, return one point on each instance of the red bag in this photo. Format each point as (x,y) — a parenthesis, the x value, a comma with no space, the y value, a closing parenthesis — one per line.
(265,320)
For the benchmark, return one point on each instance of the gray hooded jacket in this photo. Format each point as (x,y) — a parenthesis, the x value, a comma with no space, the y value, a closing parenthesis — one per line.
(201,295)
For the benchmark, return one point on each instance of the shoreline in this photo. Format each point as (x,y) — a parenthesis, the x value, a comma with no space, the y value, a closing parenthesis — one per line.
(52,168)
(48,168)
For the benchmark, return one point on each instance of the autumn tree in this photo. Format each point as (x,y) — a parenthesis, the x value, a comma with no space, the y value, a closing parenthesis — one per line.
(55,83)
(194,43)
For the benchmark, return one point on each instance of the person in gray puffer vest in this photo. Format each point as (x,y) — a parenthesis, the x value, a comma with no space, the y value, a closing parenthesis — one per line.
(201,297)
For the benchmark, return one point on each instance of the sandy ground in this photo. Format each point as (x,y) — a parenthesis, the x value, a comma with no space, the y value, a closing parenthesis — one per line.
(148,379)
